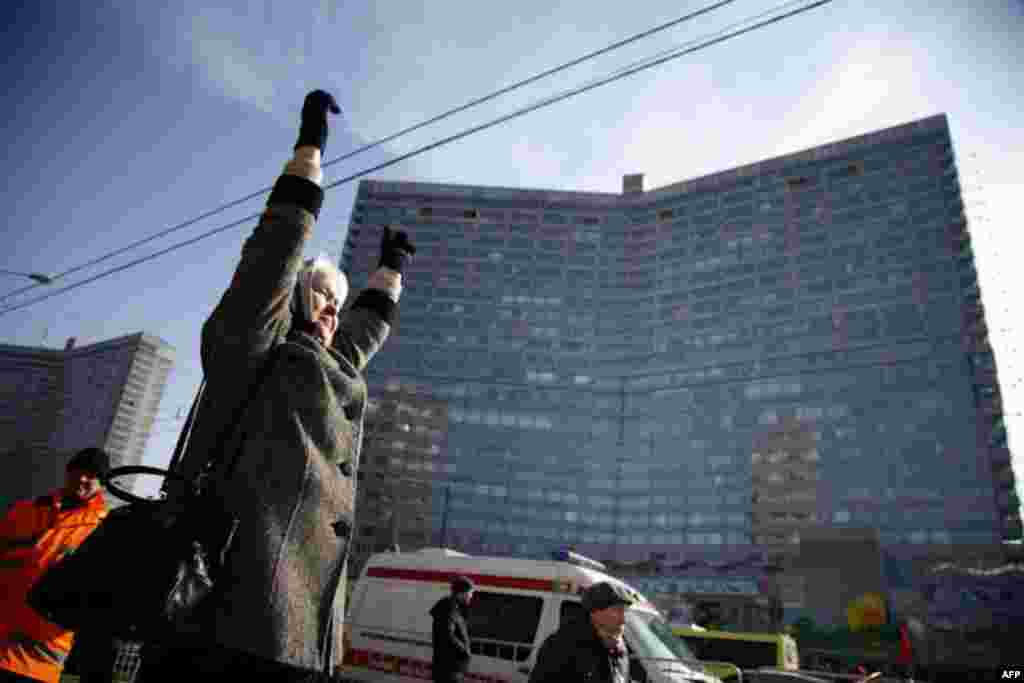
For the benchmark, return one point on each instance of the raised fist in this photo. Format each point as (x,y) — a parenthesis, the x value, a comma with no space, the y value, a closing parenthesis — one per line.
(314,127)
(395,249)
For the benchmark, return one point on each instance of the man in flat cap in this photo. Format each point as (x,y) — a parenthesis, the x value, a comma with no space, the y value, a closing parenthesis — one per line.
(451,634)
(35,535)
(591,647)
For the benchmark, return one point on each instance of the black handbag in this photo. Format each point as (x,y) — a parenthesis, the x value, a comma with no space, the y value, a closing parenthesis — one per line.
(147,567)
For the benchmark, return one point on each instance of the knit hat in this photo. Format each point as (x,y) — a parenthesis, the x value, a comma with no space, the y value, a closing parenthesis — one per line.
(461,584)
(94,460)
(604,595)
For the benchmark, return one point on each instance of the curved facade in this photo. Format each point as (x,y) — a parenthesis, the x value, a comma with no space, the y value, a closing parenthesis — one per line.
(697,371)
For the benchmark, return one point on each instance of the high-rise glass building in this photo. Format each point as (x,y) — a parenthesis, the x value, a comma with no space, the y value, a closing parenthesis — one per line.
(702,370)
(54,402)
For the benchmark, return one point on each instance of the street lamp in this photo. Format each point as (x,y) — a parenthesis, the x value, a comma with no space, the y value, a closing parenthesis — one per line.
(38,277)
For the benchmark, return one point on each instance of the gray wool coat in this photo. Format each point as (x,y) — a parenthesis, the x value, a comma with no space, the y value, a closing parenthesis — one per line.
(282,594)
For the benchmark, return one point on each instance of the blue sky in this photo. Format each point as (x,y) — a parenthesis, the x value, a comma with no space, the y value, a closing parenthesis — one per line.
(126,119)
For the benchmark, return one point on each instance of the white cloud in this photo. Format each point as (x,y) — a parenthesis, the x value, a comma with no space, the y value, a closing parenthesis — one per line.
(877,83)
(260,55)
(238,72)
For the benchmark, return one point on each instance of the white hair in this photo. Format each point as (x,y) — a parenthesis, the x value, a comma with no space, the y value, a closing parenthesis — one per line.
(302,297)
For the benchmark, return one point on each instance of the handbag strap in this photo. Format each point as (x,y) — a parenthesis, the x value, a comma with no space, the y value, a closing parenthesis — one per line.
(183,437)
(186,431)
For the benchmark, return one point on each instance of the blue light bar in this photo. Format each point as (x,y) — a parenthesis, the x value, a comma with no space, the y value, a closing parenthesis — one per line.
(566,555)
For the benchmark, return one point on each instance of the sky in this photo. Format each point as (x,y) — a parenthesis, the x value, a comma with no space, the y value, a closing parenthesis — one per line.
(124,119)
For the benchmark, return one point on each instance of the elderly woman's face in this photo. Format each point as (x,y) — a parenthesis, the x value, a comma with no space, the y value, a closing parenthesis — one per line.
(325,307)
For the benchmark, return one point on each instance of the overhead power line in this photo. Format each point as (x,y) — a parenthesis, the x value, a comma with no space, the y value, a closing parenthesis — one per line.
(381,141)
(619,74)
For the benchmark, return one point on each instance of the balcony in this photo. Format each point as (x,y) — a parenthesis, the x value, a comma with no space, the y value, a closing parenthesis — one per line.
(975,346)
(990,410)
(973,311)
(1009,503)
(978,329)
(997,440)
(984,378)
(965,261)
(1004,478)
(999,458)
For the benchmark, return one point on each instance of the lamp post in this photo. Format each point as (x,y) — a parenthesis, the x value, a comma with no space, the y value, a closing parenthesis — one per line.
(448,484)
(444,517)
(38,277)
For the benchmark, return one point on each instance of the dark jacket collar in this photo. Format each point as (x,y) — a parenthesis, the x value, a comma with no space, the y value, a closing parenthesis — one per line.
(584,633)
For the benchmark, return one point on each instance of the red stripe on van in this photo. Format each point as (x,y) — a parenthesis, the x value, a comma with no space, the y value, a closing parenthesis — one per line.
(433,576)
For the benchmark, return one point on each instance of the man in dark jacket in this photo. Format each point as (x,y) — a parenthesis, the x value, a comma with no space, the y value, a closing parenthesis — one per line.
(590,648)
(451,635)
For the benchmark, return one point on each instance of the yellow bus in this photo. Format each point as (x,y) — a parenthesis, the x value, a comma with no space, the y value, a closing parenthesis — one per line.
(745,650)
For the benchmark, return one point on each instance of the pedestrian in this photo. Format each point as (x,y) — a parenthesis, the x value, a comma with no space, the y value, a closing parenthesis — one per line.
(277,608)
(451,633)
(35,535)
(589,647)
(92,657)
(905,658)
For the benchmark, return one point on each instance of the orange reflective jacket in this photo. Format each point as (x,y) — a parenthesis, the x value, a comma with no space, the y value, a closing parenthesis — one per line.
(33,536)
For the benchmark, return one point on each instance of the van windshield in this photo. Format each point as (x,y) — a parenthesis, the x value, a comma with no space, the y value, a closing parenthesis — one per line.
(653,640)
(746,654)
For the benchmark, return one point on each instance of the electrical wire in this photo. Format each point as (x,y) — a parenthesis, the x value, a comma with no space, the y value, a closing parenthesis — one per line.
(381,141)
(629,71)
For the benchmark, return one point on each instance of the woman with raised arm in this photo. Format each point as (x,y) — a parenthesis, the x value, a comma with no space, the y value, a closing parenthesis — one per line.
(278,606)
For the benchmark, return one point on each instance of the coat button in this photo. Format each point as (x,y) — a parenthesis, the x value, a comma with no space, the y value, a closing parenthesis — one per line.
(346,468)
(341,528)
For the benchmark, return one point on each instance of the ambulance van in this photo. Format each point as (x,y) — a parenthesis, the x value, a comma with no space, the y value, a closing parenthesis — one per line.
(516,606)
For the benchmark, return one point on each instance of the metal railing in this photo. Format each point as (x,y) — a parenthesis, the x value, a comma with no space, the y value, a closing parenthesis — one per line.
(127,662)
(829,676)
(665,664)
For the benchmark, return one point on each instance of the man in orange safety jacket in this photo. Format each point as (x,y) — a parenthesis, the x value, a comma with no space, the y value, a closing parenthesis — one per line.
(34,534)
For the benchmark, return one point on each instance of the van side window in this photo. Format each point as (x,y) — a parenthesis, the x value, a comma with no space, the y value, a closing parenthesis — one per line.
(569,610)
(504,626)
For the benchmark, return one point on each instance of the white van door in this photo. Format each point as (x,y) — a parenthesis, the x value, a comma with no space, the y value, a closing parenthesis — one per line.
(503,630)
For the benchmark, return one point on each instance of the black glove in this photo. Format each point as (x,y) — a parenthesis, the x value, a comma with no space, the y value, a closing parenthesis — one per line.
(395,249)
(314,119)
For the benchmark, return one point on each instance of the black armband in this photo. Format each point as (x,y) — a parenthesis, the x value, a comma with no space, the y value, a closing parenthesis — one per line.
(298,191)
(378,302)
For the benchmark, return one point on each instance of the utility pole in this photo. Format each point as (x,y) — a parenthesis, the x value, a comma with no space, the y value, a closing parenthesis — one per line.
(444,517)
(617,510)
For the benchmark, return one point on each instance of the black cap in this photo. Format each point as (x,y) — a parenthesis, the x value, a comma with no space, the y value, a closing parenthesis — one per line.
(461,584)
(94,460)
(604,595)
